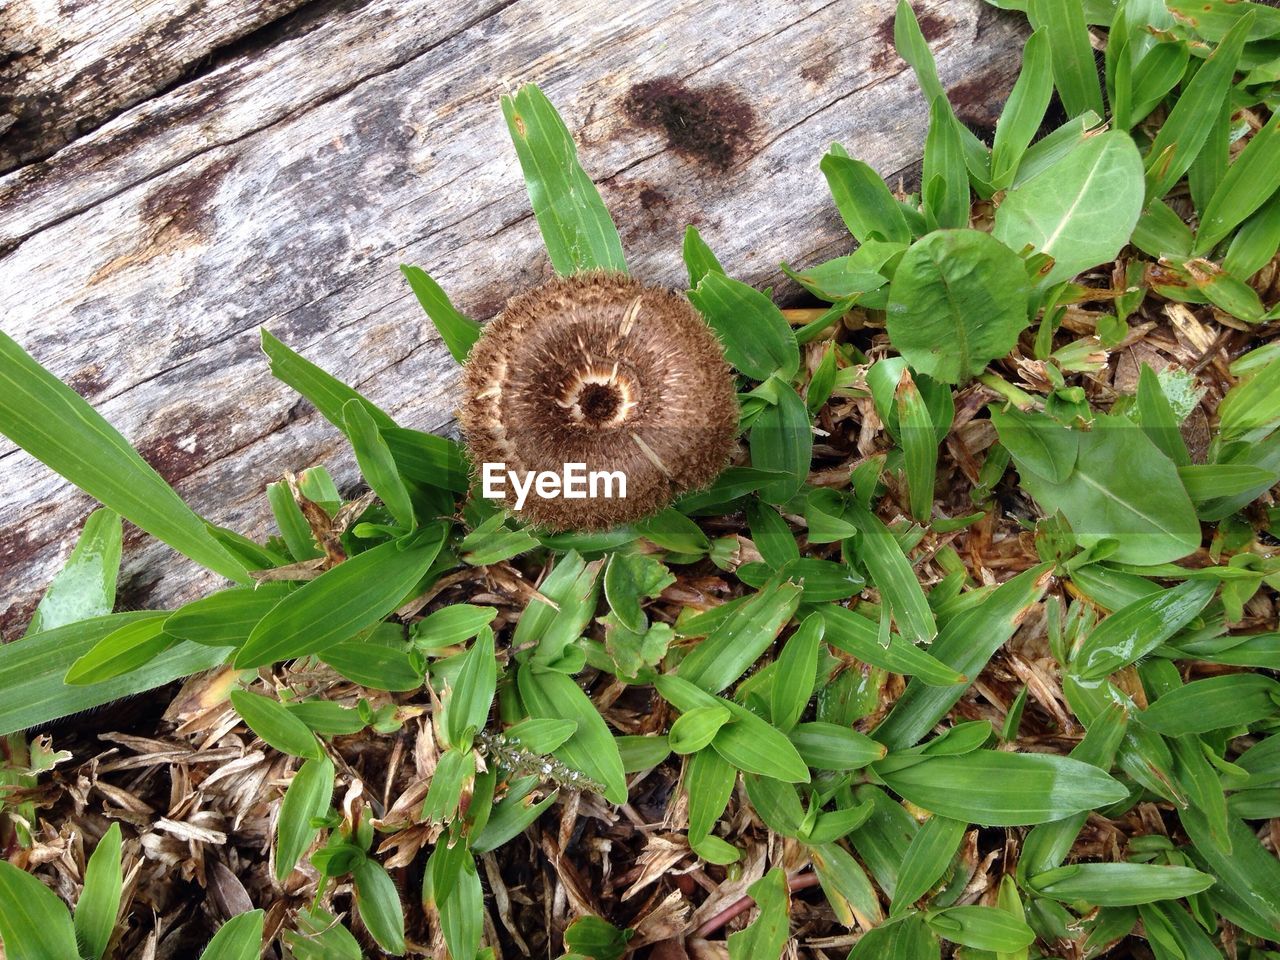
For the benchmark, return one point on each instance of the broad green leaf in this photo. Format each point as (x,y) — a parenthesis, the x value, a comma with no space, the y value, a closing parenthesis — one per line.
(909,938)
(630,578)
(1124,489)
(845,883)
(1048,844)
(858,637)
(1169,926)
(378,659)
(540,736)
(57,426)
(1080,210)
(1256,242)
(892,574)
(867,207)
(427,458)
(740,639)
(575,223)
(1037,442)
(927,859)
(462,915)
(307,796)
(1160,232)
(31,671)
(757,338)
(696,729)
(1154,76)
(85,587)
(767,935)
(1119,884)
(829,746)
(451,625)
(1185,130)
(226,618)
(240,938)
(1074,71)
(275,725)
(342,601)
(125,649)
(378,901)
(796,673)
(983,928)
(95,915)
(749,743)
(596,938)
(1213,19)
(468,703)
(1004,789)
(592,748)
(771,534)
(1248,873)
(511,815)
(957,301)
(882,842)
(1134,631)
(1213,703)
(34,922)
(708,782)
(966,643)
(919,447)
(782,441)
(1158,420)
(294,529)
(458,331)
(455,774)
(376,463)
(642,752)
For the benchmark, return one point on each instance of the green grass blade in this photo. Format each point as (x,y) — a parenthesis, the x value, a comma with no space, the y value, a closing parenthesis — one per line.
(1074,72)
(575,223)
(1248,183)
(34,922)
(325,391)
(337,605)
(57,426)
(458,331)
(95,916)
(1185,131)
(31,671)
(893,575)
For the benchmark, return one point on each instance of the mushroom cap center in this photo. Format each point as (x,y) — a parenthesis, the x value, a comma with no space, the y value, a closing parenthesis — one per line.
(602,399)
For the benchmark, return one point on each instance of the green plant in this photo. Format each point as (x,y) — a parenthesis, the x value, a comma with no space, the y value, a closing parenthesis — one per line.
(853,679)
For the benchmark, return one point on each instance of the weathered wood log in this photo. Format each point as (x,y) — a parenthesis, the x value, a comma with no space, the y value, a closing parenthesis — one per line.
(283,187)
(65,68)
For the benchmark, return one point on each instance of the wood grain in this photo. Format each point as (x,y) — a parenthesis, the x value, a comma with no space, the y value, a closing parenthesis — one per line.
(284,187)
(67,67)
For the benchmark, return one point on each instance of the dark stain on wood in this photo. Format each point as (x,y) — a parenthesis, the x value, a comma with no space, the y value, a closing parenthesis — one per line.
(977,100)
(178,214)
(819,72)
(711,125)
(932,25)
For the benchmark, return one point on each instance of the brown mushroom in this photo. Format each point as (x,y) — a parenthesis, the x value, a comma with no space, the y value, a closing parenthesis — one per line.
(600,370)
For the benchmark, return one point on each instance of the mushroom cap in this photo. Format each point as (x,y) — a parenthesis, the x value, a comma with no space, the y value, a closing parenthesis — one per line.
(601,370)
